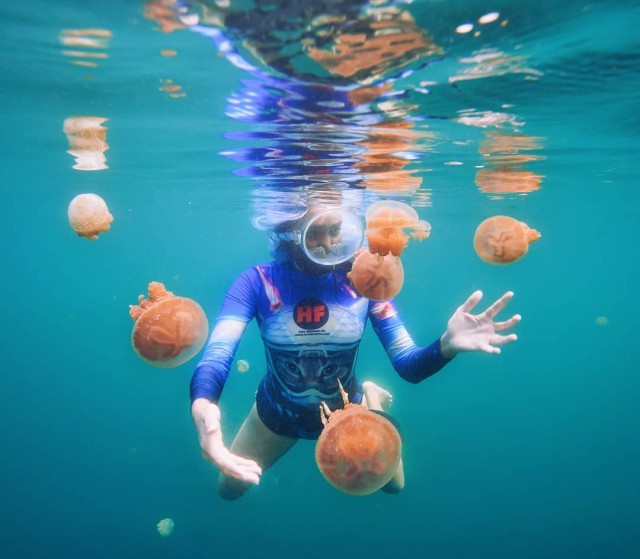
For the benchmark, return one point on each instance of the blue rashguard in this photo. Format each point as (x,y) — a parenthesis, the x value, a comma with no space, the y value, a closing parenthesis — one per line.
(311,327)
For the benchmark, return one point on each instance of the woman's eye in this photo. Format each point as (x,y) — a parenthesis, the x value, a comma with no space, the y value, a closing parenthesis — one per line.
(330,369)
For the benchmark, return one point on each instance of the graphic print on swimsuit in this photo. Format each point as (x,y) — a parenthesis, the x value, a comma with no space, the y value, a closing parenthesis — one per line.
(310,346)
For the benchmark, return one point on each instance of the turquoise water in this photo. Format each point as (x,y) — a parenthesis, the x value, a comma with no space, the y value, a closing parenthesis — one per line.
(533,453)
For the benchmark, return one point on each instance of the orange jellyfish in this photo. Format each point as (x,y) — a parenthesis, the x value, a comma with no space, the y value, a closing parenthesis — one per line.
(502,240)
(376,277)
(89,215)
(168,330)
(377,272)
(358,451)
(386,222)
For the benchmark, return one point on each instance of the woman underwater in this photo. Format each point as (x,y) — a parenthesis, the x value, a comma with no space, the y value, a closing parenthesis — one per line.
(312,321)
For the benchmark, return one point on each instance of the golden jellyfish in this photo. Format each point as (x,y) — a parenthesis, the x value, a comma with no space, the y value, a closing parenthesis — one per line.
(168,330)
(89,216)
(376,277)
(386,224)
(358,451)
(165,527)
(501,239)
(242,365)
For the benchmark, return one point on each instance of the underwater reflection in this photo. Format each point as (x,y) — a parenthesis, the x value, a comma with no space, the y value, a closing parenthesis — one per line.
(87,139)
(506,155)
(319,91)
(85,47)
(324,41)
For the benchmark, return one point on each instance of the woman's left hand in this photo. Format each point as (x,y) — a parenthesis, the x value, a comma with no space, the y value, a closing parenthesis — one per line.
(478,332)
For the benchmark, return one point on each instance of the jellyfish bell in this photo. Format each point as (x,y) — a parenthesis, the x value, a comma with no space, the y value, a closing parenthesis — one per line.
(165,527)
(242,365)
(168,330)
(502,240)
(89,216)
(387,221)
(358,451)
(376,277)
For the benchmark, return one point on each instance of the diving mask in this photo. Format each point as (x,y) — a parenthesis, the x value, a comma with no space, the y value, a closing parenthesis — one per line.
(328,237)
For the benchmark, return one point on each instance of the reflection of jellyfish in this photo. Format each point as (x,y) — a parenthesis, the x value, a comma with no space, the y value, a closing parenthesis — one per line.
(358,451)
(502,240)
(87,141)
(242,365)
(168,330)
(165,527)
(89,216)
(505,155)
(87,46)
(503,180)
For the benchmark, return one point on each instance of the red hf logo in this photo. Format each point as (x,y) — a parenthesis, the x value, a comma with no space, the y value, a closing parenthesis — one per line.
(311,314)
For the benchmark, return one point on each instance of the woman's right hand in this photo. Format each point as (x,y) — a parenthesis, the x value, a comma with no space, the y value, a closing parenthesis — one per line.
(206,417)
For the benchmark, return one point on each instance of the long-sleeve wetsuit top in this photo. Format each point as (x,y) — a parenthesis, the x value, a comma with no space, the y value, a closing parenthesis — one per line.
(311,327)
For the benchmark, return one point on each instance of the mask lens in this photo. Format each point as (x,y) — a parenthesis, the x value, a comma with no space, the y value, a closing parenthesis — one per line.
(332,236)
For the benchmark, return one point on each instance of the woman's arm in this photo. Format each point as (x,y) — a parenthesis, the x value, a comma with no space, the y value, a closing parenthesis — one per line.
(207,420)
(465,332)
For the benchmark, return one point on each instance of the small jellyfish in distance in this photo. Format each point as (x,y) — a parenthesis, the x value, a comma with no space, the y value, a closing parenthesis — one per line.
(168,330)
(242,365)
(89,216)
(502,240)
(376,277)
(165,527)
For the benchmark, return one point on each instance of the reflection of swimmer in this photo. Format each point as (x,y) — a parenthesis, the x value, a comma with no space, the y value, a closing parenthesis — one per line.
(338,42)
(312,321)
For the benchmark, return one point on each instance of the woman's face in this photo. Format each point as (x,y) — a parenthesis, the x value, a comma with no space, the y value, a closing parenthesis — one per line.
(324,232)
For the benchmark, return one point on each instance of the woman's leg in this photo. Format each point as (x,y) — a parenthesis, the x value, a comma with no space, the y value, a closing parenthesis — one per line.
(377,398)
(257,442)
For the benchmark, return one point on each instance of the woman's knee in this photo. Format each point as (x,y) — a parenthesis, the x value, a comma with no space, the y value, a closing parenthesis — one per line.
(230,488)
(393,487)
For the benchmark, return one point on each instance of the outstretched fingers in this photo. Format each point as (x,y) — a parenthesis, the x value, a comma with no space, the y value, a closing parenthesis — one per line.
(502,340)
(507,324)
(496,307)
(243,469)
(497,340)
(471,302)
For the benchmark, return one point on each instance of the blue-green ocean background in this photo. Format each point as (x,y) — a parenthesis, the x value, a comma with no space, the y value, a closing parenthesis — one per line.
(533,453)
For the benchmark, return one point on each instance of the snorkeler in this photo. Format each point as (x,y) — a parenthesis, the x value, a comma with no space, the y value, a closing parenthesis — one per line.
(312,321)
